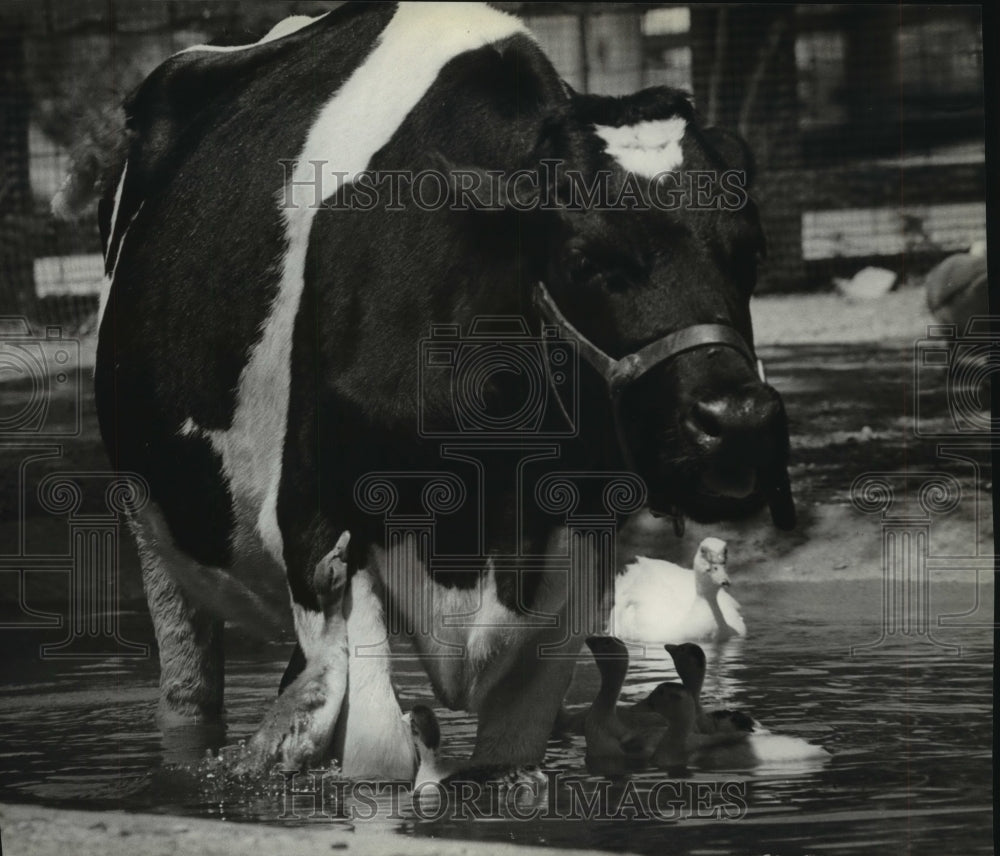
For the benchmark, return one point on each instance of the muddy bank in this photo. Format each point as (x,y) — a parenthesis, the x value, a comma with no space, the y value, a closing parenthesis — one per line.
(785,319)
(36,831)
(831,542)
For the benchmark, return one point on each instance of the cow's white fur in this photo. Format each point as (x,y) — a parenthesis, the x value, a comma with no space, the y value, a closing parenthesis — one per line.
(646,148)
(114,213)
(466,637)
(353,124)
(110,277)
(289,25)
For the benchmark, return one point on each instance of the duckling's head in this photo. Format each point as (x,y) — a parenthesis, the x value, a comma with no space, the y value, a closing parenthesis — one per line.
(710,564)
(689,660)
(425,730)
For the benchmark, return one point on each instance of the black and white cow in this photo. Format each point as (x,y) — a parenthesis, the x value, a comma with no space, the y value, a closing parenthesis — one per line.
(258,350)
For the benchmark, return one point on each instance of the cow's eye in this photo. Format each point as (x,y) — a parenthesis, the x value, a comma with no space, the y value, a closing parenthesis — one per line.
(580,268)
(617,281)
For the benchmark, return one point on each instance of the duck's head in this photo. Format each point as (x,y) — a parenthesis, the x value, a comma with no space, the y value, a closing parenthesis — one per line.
(611,657)
(710,564)
(425,730)
(689,660)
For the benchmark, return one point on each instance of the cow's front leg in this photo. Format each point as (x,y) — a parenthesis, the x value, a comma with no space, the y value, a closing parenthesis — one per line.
(517,715)
(298,729)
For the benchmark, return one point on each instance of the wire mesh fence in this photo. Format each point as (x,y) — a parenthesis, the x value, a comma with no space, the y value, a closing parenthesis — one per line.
(866,122)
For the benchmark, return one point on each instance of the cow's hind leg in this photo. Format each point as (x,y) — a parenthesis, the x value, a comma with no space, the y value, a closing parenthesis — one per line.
(192,663)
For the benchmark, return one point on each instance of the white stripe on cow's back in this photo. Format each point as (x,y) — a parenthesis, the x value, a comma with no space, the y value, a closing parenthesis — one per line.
(286,27)
(646,148)
(109,279)
(114,213)
(351,127)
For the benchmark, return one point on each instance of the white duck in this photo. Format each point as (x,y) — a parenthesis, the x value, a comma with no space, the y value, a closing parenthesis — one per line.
(657,601)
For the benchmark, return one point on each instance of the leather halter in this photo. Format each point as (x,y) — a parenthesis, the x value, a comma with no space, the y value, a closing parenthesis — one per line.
(619,374)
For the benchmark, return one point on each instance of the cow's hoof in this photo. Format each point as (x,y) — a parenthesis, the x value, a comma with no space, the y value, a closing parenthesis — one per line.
(528,775)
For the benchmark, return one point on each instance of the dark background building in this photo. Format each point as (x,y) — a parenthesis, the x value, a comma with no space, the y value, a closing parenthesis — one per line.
(867,122)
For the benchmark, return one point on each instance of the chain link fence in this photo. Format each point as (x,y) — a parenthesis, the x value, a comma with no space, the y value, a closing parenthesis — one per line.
(866,122)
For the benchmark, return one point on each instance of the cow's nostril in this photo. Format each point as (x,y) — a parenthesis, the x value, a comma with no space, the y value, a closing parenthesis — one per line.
(750,410)
(710,416)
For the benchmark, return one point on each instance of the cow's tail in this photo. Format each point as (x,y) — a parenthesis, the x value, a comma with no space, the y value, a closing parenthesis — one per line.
(214,590)
(95,167)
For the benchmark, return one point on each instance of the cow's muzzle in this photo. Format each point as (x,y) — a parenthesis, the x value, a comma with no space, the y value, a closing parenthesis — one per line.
(711,420)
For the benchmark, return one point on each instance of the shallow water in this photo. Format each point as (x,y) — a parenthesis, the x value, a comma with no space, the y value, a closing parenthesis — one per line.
(908,726)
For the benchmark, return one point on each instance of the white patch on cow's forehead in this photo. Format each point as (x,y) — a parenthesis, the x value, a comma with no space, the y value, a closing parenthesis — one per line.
(289,25)
(645,148)
(354,124)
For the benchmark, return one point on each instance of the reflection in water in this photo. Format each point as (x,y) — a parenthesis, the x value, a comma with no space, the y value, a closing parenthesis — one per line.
(910,735)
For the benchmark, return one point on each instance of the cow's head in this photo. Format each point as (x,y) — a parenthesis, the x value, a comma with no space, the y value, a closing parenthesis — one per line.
(643,228)
(676,249)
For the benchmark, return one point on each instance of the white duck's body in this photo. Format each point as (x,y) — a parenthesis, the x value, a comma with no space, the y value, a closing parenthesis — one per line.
(657,601)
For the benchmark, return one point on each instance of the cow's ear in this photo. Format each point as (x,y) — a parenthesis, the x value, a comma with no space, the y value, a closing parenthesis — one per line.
(474,188)
(733,150)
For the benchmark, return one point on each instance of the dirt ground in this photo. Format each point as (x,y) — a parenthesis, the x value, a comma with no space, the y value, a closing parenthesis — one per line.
(900,316)
(37,831)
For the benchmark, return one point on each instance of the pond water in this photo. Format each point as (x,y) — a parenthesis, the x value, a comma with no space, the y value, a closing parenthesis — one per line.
(908,725)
